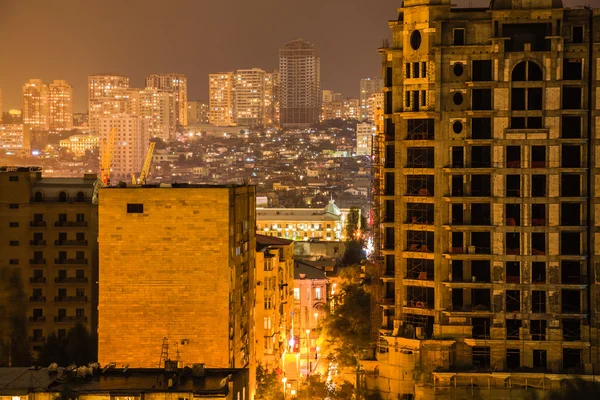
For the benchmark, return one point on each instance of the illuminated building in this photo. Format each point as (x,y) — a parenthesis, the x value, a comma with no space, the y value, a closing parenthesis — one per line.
(300,84)
(272,99)
(49,229)
(274,284)
(249,97)
(329,96)
(107,94)
(364,138)
(303,223)
(332,110)
(36,111)
(376,102)
(170,382)
(177,83)
(157,107)
(173,274)
(487,187)
(61,105)
(197,112)
(131,143)
(15,137)
(351,109)
(220,87)
(78,144)
(310,306)
(368,86)
(80,119)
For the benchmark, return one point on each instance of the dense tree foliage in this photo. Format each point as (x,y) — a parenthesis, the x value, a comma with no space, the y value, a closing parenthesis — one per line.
(78,348)
(268,384)
(14,346)
(354,240)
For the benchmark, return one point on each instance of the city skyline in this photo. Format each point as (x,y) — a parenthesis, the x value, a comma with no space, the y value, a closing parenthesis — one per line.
(175,52)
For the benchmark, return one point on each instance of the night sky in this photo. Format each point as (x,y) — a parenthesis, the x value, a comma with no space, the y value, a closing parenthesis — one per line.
(71,39)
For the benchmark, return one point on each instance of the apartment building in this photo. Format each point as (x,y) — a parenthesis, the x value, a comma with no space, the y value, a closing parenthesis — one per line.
(177,85)
(177,273)
(368,87)
(197,112)
(60,99)
(364,138)
(158,108)
(107,93)
(79,144)
(131,143)
(48,228)
(487,184)
(35,109)
(249,102)
(274,287)
(272,98)
(300,84)
(15,138)
(221,98)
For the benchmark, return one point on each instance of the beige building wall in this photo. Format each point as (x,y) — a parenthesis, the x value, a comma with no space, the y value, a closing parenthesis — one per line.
(177,85)
(61,106)
(249,86)
(221,99)
(35,109)
(177,263)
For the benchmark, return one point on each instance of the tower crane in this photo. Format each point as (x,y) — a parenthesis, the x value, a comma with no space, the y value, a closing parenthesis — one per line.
(146,166)
(108,149)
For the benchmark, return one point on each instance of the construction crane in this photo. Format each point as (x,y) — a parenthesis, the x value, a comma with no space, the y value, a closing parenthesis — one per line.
(146,167)
(108,149)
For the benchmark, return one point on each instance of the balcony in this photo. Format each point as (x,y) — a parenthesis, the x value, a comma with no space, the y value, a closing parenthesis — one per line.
(39,279)
(70,261)
(37,299)
(74,243)
(71,319)
(70,280)
(387,301)
(37,224)
(37,261)
(37,339)
(41,318)
(70,299)
(37,243)
(71,224)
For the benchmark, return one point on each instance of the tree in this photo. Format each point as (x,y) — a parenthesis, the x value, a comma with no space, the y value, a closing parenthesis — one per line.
(268,384)
(354,240)
(79,346)
(53,351)
(576,389)
(14,347)
(346,328)
(160,144)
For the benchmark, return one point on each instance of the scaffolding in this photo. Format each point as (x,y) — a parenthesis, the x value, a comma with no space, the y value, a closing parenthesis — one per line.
(377,165)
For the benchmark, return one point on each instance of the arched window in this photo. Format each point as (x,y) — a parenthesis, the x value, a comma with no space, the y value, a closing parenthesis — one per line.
(62,197)
(38,197)
(80,197)
(527,71)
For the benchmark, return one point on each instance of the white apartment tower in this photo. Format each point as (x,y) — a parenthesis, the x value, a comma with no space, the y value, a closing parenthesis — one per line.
(157,107)
(61,106)
(36,112)
(131,143)
(107,94)
(368,86)
(177,83)
(220,88)
(300,84)
(250,97)
(364,138)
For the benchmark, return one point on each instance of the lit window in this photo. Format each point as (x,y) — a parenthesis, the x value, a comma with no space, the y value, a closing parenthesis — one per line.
(318,293)
(296,293)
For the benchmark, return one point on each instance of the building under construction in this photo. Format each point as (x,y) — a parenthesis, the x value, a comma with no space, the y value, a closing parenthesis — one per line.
(485,199)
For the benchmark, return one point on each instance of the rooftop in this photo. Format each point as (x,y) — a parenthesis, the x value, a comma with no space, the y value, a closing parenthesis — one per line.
(303,270)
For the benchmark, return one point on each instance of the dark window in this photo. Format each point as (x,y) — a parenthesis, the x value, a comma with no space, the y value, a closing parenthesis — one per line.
(459,37)
(481,128)
(571,156)
(458,69)
(415,70)
(571,127)
(80,197)
(540,359)
(571,359)
(513,327)
(457,185)
(577,34)
(13,261)
(571,97)
(570,243)
(534,34)
(62,197)
(407,75)
(481,157)
(458,157)
(570,185)
(513,215)
(513,156)
(13,178)
(481,185)
(481,356)
(480,214)
(513,272)
(13,206)
(513,300)
(13,224)
(571,301)
(14,242)
(537,328)
(538,215)
(538,272)
(572,69)
(513,359)
(538,156)
(482,70)
(481,328)
(538,243)
(424,69)
(481,99)
(570,214)
(513,243)
(135,208)
(388,76)
(513,185)
(38,197)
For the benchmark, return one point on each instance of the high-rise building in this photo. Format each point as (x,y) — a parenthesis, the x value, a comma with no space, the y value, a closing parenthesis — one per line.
(249,86)
(351,109)
(364,138)
(131,143)
(36,111)
(300,84)
(376,102)
(368,86)
(177,83)
(61,106)
(15,137)
(272,98)
(157,107)
(487,183)
(197,112)
(329,96)
(48,255)
(275,272)
(107,94)
(173,275)
(332,110)
(221,97)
